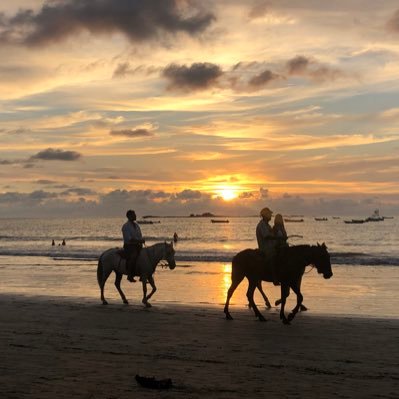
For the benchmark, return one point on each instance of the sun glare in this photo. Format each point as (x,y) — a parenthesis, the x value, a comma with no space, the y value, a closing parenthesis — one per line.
(227,194)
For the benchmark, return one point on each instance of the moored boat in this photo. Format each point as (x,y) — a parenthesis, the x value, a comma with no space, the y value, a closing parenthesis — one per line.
(220,221)
(375,217)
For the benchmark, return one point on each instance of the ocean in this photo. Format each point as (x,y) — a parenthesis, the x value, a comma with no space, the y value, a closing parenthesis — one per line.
(373,243)
(365,261)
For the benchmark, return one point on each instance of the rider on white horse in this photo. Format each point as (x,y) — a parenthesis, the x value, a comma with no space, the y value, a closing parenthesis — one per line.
(132,242)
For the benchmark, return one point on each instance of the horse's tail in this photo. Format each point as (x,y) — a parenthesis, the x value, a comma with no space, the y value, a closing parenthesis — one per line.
(237,271)
(100,270)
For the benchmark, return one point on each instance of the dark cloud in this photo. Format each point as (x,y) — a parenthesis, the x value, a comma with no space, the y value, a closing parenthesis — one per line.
(393,22)
(198,76)
(137,20)
(311,68)
(124,68)
(297,64)
(51,154)
(246,195)
(34,197)
(132,133)
(262,79)
(189,195)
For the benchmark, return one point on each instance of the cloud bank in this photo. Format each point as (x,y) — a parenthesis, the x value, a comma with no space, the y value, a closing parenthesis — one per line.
(138,20)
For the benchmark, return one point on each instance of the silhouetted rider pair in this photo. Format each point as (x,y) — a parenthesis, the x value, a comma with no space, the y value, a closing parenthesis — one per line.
(271,240)
(132,243)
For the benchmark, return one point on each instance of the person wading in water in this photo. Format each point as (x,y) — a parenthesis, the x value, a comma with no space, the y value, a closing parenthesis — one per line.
(132,243)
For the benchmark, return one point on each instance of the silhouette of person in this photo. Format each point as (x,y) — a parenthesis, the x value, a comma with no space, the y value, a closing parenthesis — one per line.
(279,231)
(175,237)
(267,241)
(63,242)
(53,243)
(132,242)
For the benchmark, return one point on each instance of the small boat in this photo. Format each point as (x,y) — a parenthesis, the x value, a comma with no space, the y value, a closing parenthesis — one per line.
(354,221)
(375,217)
(336,217)
(320,219)
(293,220)
(148,221)
(220,221)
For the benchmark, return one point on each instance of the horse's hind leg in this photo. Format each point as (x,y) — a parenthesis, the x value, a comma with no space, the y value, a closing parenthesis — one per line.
(250,296)
(102,284)
(265,298)
(285,291)
(236,280)
(118,279)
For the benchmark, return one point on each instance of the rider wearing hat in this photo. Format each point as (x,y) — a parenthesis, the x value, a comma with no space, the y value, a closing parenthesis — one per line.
(132,242)
(267,241)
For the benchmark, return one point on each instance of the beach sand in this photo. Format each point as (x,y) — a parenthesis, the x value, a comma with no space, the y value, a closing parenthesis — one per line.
(64,348)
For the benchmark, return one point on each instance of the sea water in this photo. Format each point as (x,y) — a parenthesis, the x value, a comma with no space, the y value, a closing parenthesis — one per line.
(365,260)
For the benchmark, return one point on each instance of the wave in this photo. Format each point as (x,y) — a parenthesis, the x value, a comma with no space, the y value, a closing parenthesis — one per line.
(79,254)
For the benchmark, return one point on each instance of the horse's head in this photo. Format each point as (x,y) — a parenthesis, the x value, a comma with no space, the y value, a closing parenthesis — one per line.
(322,260)
(170,255)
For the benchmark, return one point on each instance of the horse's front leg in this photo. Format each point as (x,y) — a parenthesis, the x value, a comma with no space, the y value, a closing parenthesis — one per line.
(250,296)
(153,287)
(285,290)
(145,296)
(299,298)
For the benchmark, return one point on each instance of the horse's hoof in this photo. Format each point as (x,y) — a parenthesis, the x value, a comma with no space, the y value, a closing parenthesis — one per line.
(261,318)
(303,308)
(285,321)
(268,306)
(126,302)
(228,316)
(105,303)
(291,316)
(277,302)
(148,305)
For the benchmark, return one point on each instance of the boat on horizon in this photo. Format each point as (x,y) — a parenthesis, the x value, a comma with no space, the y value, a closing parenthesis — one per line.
(288,220)
(220,221)
(375,217)
(148,221)
(355,221)
(320,219)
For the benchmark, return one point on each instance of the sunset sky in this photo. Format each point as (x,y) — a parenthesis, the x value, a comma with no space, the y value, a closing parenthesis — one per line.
(177,106)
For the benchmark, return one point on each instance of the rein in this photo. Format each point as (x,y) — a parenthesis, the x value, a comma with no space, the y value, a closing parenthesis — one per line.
(310,269)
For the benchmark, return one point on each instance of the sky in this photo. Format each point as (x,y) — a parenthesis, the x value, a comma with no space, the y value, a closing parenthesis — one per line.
(172,107)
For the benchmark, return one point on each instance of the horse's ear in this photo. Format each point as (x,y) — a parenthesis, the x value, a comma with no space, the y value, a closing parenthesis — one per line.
(318,244)
(324,245)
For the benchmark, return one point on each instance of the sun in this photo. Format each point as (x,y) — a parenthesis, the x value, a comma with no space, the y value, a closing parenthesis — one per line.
(227,194)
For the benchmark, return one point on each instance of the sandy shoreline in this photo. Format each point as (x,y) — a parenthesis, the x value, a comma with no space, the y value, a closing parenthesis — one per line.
(53,348)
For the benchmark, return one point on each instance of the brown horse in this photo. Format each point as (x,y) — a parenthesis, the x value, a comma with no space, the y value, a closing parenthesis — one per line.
(291,261)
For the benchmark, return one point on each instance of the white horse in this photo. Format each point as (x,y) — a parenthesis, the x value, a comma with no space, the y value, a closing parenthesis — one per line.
(147,261)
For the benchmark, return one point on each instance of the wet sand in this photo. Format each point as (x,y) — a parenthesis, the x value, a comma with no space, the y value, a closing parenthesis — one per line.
(64,348)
